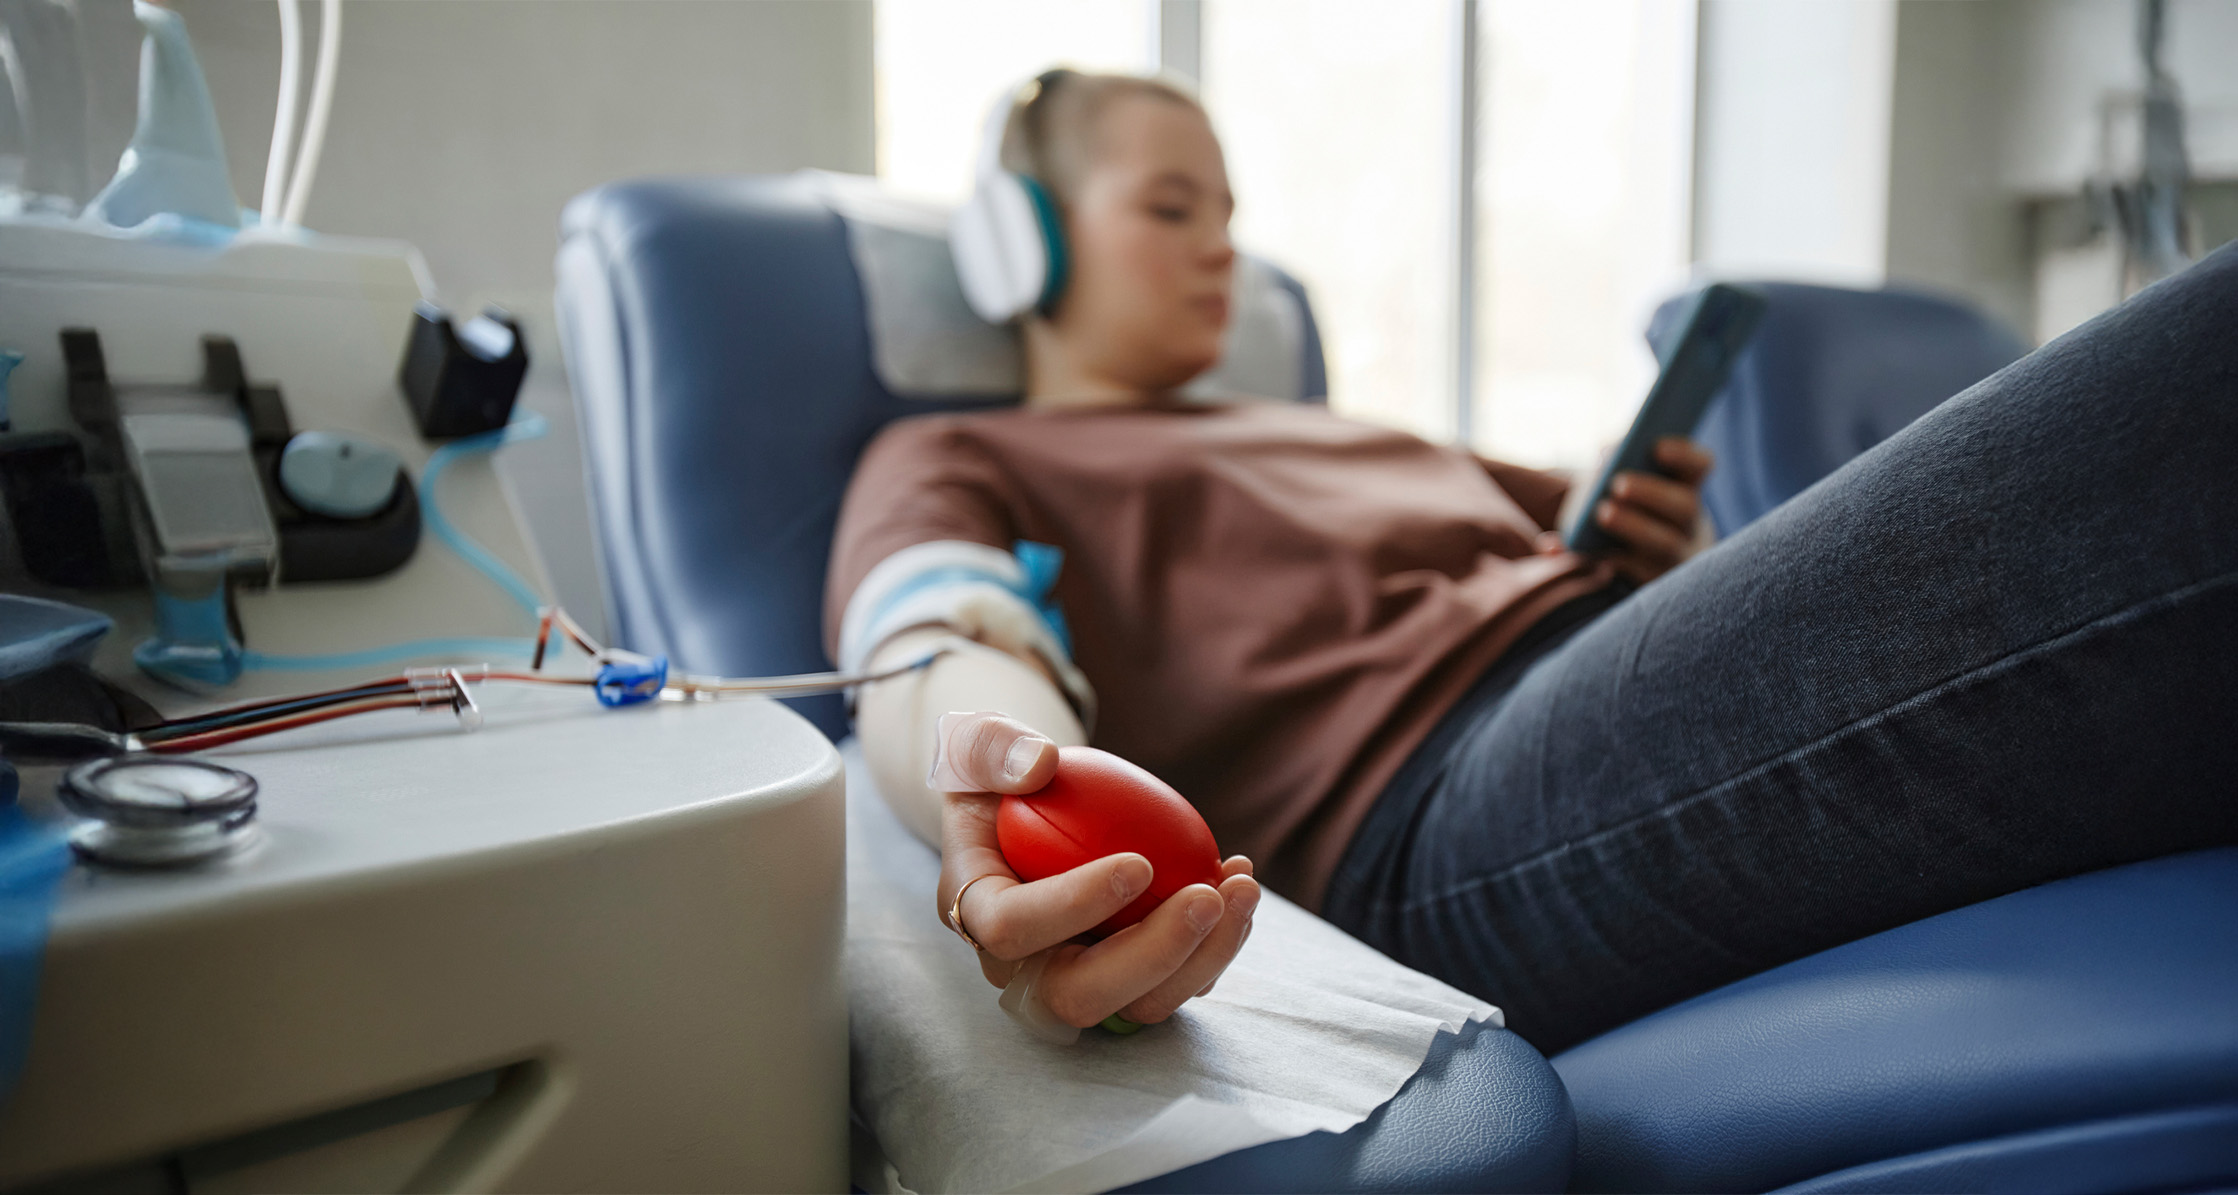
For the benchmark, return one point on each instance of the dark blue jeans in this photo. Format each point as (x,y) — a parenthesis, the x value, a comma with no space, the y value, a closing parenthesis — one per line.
(1997,649)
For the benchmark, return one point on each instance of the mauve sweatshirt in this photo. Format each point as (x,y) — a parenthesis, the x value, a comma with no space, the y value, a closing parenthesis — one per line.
(1274,604)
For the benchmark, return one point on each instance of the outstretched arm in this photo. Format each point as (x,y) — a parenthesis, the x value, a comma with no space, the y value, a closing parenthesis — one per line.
(1143,972)
(894,718)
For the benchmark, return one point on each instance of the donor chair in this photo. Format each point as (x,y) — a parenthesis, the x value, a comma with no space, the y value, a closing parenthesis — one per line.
(735,342)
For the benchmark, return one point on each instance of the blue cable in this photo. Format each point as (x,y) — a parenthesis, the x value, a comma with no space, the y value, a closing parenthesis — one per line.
(526,426)
(394,653)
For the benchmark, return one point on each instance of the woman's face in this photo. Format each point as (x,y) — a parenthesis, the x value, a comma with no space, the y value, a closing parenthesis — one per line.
(1147,299)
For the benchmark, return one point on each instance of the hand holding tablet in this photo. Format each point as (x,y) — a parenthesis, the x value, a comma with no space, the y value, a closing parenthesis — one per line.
(1715,326)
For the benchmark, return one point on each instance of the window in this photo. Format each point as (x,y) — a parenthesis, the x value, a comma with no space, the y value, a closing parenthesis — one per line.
(1585,127)
(940,65)
(1344,128)
(1339,125)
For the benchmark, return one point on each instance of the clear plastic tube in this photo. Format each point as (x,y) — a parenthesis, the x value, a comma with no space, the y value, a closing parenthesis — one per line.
(524,427)
(527,426)
(417,649)
(322,103)
(283,117)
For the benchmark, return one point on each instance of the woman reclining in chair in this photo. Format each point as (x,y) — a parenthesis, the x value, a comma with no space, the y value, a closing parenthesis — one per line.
(2000,648)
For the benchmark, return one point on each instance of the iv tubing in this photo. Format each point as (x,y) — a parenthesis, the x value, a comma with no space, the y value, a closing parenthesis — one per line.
(395,653)
(527,427)
(427,690)
(424,689)
(322,103)
(283,117)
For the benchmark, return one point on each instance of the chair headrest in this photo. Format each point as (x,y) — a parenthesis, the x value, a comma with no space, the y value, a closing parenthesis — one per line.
(925,341)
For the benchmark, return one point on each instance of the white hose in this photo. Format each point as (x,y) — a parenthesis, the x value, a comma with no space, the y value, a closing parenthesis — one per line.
(283,120)
(322,102)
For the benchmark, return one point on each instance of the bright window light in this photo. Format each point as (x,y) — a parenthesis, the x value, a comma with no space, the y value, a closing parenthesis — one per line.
(1585,140)
(1341,121)
(1338,121)
(941,64)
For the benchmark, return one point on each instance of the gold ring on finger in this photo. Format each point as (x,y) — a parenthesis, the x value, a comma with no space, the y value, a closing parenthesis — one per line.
(956,911)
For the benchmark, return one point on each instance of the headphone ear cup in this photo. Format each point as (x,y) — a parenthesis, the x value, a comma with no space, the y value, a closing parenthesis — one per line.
(1056,257)
(1001,248)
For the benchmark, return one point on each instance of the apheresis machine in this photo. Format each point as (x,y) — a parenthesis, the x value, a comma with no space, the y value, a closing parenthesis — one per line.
(334,855)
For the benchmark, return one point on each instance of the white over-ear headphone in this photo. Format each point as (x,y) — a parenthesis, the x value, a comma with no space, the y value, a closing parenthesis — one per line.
(1008,240)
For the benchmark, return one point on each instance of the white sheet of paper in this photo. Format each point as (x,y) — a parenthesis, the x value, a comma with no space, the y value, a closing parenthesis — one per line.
(1309,1030)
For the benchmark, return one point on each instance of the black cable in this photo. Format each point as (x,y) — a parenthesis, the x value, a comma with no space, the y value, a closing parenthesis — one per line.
(242,715)
(58,742)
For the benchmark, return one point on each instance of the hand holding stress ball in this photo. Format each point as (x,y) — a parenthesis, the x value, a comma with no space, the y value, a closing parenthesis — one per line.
(1097,805)
(1104,892)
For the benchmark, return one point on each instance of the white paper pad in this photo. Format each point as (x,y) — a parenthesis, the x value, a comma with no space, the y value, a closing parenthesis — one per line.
(1308,1030)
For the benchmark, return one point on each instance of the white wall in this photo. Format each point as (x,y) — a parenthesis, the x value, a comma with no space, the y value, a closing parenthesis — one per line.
(1792,137)
(1952,224)
(464,126)
(2004,109)
(1915,141)
(2070,56)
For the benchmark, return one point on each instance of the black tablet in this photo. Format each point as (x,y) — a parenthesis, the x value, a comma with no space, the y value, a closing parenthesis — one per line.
(1713,328)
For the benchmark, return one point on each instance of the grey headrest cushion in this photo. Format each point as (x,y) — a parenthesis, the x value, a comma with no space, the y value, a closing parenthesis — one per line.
(926,343)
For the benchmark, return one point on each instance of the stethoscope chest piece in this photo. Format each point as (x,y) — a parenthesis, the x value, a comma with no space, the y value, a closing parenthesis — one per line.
(148,811)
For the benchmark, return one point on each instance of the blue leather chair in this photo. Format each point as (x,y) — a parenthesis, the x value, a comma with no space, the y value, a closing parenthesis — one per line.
(1829,374)
(2079,1036)
(716,340)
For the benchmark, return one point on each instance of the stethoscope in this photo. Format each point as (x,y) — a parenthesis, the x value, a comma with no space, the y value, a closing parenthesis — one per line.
(155,811)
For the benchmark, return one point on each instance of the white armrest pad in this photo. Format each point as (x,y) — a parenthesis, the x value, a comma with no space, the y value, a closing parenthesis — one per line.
(1309,1030)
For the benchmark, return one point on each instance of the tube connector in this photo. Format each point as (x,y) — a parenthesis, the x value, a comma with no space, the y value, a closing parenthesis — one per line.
(625,678)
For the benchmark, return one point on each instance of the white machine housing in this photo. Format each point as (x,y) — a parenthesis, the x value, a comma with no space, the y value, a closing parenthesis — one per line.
(575,949)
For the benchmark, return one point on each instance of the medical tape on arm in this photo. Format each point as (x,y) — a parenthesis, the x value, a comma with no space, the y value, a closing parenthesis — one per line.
(989,595)
(1022,999)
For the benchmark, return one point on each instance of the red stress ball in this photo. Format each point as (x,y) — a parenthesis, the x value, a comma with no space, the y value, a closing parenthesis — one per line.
(1098,805)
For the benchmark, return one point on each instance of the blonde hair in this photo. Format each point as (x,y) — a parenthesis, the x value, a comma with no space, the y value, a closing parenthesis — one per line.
(1051,134)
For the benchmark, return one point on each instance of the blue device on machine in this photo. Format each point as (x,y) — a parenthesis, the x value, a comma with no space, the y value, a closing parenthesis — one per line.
(1714,328)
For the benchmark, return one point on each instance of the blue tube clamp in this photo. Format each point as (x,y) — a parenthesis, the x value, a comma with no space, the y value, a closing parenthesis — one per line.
(629,681)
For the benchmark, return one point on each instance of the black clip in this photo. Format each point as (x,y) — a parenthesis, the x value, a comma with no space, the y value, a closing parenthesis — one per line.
(456,385)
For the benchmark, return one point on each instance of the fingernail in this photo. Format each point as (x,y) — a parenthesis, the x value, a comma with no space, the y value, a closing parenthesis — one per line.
(1203,913)
(1021,758)
(1244,900)
(1130,877)
(1605,511)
